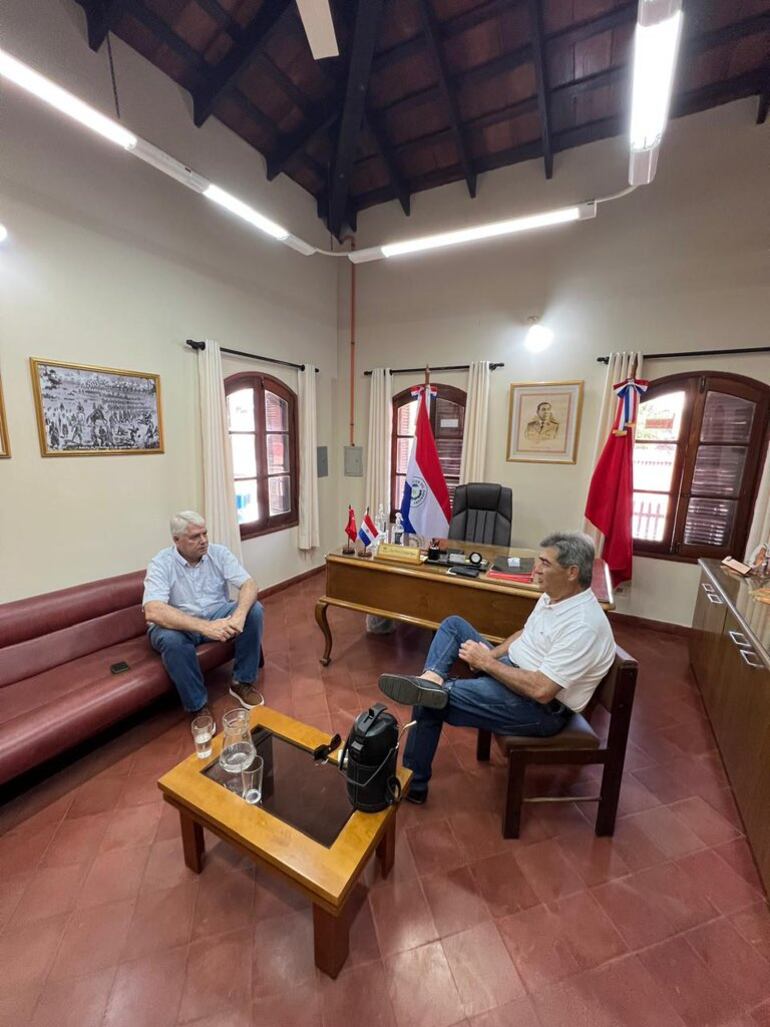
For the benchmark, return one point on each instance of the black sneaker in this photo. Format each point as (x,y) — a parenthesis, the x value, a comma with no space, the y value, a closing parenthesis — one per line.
(418,798)
(413,691)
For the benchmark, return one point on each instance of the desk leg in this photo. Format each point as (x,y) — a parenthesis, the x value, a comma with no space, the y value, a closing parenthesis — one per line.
(331,939)
(192,842)
(386,848)
(323,623)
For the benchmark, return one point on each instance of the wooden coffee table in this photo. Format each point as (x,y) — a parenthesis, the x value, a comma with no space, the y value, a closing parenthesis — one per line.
(305,829)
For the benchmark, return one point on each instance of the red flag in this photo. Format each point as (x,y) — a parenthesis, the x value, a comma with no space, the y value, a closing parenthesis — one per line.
(610,495)
(350,530)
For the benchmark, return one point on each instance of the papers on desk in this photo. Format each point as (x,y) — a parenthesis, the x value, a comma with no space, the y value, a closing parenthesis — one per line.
(516,569)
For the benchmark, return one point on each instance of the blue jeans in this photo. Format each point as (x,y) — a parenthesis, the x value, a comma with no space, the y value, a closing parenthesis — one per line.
(177,651)
(473,702)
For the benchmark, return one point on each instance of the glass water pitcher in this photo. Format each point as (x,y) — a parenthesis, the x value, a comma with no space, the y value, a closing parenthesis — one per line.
(237,745)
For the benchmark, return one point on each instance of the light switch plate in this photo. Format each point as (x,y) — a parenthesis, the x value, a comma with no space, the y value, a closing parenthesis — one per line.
(322,461)
(354,461)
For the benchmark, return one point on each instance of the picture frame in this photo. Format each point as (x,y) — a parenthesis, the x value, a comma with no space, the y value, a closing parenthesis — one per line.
(5,442)
(84,410)
(544,422)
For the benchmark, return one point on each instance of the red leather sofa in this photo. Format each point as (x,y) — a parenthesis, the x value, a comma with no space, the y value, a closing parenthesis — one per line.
(56,650)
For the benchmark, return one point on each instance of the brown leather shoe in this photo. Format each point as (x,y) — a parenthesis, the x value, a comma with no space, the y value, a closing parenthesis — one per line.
(247,695)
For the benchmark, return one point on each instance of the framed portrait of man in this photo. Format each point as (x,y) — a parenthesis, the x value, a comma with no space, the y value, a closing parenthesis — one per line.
(544,422)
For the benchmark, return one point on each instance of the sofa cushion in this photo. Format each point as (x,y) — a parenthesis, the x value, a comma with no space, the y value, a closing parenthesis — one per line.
(49,713)
(43,614)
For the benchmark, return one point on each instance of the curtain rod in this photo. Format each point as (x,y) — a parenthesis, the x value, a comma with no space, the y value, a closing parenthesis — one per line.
(695,353)
(446,367)
(196,344)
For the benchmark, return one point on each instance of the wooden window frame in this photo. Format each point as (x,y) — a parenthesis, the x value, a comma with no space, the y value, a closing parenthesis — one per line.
(696,385)
(261,383)
(449,392)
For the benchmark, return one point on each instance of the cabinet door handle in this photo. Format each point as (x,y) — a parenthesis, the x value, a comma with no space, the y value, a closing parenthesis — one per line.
(746,655)
(739,639)
(706,587)
(714,598)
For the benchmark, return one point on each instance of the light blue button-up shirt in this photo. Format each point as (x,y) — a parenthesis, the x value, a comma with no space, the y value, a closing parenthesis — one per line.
(197,589)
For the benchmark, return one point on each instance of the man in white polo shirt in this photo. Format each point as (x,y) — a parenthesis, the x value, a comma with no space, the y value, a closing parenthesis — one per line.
(530,684)
(187,602)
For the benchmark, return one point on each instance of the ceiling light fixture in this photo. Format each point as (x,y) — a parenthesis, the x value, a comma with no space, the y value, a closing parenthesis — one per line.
(538,337)
(656,44)
(547,219)
(243,210)
(66,103)
(3,233)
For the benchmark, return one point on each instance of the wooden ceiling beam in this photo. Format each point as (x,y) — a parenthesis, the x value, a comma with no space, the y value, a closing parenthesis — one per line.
(431,31)
(365,30)
(540,60)
(691,102)
(223,18)
(321,116)
(251,40)
(764,102)
(101,15)
(400,186)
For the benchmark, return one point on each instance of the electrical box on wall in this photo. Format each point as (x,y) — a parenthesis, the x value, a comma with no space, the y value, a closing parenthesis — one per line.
(322,461)
(354,462)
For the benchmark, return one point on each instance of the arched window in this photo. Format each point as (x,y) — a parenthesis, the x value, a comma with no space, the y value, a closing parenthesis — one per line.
(262,421)
(447,419)
(700,444)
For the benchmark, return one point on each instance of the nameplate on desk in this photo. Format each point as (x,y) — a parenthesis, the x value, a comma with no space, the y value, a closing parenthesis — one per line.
(401,554)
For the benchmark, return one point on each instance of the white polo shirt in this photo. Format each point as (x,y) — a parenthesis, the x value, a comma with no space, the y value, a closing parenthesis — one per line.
(570,642)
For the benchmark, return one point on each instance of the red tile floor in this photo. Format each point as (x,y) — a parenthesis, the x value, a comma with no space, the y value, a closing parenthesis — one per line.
(664,924)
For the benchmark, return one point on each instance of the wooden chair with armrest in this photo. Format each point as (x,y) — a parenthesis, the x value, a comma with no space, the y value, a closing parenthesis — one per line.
(577,743)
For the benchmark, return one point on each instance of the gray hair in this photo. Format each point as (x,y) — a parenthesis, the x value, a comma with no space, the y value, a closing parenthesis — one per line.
(181,521)
(574,549)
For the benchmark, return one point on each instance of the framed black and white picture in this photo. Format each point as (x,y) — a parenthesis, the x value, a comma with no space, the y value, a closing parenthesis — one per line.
(96,411)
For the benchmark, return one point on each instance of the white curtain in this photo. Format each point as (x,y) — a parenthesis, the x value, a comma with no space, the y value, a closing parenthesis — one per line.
(378,449)
(476,412)
(309,537)
(619,367)
(759,533)
(218,490)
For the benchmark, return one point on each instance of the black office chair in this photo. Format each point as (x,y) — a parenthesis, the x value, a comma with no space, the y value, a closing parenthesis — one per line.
(482,512)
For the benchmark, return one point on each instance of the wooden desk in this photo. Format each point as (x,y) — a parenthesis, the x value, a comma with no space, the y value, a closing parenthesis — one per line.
(425,594)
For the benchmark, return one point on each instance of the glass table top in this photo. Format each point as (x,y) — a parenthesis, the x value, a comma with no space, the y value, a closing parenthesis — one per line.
(310,797)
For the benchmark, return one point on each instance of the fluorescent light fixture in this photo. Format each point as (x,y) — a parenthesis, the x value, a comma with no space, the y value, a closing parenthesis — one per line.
(538,337)
(169,166)
(243,210)
(489,231)
(656,44)
(3,233)
(63,101)
(317,21)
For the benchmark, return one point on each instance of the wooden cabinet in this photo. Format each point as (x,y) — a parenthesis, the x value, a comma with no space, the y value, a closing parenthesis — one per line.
(730,657)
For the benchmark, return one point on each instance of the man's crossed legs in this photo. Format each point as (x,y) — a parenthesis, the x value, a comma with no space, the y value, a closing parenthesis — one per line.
(480,702)
(178,652)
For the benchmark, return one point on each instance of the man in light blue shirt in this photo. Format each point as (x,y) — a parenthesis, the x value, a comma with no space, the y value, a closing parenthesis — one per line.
(187,602)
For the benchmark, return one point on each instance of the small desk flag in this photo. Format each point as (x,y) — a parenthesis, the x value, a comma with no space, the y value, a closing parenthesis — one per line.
(368,531)
(350,529)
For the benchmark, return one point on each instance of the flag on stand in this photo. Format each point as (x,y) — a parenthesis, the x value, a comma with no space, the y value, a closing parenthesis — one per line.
(350,529)
(368,531)
(425,508)
(611,493)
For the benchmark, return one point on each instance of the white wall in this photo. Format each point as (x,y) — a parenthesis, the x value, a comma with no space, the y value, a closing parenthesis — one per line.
(110,263)
(680,265)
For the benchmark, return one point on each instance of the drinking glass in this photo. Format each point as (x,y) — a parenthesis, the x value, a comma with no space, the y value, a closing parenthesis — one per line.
(203,730)
(252,781)
(237,745)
